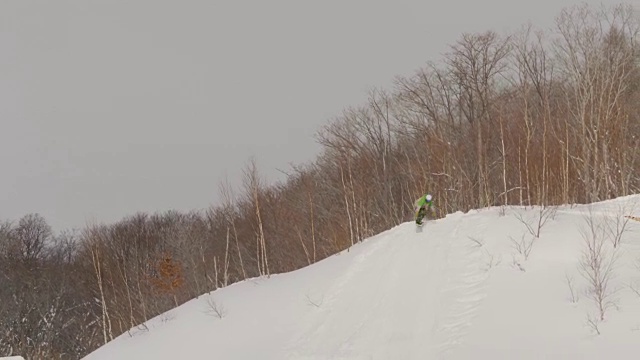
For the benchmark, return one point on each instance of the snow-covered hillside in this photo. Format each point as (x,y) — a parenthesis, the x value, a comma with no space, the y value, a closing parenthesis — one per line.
(463,288)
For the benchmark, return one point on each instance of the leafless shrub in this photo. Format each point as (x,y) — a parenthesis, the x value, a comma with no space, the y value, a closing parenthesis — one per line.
(167,316)
(141,327)
(503,210)
(491,260)
(616,225)
(523,246)
(534,226)
(545,213)
(596,265)
(593,323)
(516,264)
(215,309)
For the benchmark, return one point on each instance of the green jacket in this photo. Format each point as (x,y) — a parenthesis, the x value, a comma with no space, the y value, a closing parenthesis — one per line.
(423,201)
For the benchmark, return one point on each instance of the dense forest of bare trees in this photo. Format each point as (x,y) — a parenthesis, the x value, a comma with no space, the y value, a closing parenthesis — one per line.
(533,117)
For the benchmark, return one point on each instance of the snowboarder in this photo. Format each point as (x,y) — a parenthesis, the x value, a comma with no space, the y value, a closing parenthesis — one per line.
(421,207)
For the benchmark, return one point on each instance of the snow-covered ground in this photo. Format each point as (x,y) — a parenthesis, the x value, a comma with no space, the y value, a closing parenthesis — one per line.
(460,289)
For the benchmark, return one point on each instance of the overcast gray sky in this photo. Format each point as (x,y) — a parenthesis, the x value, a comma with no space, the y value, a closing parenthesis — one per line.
(112,107)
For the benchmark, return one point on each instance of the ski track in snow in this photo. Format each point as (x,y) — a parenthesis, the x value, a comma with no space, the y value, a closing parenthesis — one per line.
(399,317)
(464,292)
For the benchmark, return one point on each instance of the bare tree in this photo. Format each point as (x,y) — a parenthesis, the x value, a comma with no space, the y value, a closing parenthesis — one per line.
(228,208)
(106,320)
(476,61)
(533,83)
(29,238)
(253,186)
(310,187)
(598,61)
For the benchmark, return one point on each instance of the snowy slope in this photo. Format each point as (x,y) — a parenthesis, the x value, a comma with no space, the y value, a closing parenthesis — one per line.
(457,290)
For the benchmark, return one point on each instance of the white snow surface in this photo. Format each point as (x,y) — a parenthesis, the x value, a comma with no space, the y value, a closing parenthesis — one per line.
(434,294)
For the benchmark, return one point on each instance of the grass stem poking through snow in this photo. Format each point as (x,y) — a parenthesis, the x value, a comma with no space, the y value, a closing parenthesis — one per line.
(572,289)
(478,242)
(314,302)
